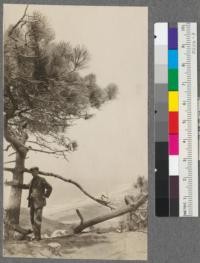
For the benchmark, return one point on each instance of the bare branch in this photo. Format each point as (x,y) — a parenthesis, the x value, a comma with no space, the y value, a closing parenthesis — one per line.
(13,161)
(8,147)
(65,157)
(12,154)
(102,202)
(42,139)
(48,152)
(18,22)
(7,169)
(80,216)
(42,145)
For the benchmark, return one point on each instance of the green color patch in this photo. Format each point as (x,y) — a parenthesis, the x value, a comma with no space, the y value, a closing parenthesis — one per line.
(173,79)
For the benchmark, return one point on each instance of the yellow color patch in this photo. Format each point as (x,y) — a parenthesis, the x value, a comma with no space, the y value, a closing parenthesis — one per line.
(173,100)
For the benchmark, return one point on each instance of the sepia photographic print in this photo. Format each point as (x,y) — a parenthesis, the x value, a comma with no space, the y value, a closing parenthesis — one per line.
(75,132)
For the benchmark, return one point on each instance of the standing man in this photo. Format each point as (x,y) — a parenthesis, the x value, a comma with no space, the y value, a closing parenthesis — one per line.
(39,190)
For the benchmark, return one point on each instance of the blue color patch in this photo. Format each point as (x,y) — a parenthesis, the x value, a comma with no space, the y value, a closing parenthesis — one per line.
(173,59)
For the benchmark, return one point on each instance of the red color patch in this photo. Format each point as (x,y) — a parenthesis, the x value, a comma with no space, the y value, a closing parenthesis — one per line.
(173,122)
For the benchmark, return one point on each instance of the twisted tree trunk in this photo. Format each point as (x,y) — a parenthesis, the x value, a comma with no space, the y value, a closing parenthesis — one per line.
(13,209)
(12,212)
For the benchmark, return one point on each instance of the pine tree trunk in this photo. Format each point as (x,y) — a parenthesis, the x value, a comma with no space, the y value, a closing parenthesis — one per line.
(15,194)
(12,213)
(13,210)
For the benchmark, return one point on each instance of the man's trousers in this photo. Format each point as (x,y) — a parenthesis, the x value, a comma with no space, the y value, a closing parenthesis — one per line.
(36,221)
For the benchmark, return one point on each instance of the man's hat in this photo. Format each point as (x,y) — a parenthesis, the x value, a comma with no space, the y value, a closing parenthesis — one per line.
(35,168)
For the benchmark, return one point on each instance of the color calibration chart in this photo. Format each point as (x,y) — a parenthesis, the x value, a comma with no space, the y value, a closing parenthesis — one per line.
(176,119)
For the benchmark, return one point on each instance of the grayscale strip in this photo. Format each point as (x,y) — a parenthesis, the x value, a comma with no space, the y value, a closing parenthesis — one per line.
(161,119)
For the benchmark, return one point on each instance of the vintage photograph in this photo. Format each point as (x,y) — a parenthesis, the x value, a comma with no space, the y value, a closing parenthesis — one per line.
(75,132)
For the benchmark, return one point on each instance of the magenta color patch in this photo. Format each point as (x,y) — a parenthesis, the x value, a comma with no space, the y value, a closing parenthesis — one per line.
(173,144)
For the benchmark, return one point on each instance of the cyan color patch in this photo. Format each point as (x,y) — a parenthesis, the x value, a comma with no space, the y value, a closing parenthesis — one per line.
(173,59)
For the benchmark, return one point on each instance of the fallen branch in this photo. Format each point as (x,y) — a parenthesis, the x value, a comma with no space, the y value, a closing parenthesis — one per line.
(99,219)
(102,202)
(80,216)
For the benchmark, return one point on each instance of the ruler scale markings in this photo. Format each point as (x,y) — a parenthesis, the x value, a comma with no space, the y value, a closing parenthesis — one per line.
(187,34)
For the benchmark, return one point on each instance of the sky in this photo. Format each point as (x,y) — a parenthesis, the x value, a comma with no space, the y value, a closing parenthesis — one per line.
(112,145)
